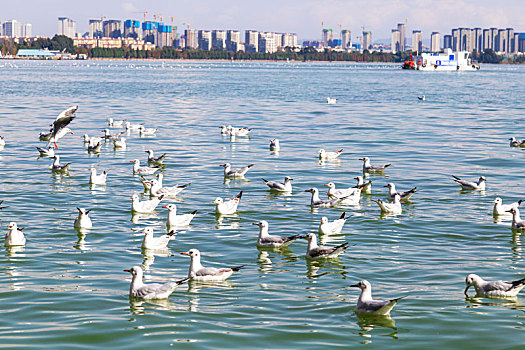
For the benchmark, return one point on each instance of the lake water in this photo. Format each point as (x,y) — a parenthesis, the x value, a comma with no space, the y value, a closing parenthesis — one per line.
(69,290)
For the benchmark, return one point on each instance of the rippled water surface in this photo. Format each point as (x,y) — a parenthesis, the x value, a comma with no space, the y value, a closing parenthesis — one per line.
(68,289)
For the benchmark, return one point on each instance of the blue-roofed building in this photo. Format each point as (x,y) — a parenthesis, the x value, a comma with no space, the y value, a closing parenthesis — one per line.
(131,28)
(37,54)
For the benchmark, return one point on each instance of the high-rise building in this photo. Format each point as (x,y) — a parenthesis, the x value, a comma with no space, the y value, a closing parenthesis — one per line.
(367,40)
(477,38)
(447,42)
(149,32)
(251,41)
(164,35)
(328,36)
(289,40)
(233,38)
(515,43)
(435,42)
(455,39)
(346,39)
(192,38)
(204,38)
(95,28)
(112,28)
(494,38)
(27,30)
(402,27)
(67,27)
(417,41)
(499,44)
(131,28)
(465,42)
(487,42)
(218,39)
(267,43)
(12,29)
(509,36)
(395,41)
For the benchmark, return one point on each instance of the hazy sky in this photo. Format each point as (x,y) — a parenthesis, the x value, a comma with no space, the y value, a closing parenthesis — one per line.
(303,17)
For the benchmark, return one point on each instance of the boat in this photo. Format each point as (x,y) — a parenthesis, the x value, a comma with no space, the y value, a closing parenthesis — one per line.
(441,61)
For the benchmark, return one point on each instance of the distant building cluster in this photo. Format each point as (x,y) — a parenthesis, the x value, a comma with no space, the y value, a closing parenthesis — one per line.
(15,29)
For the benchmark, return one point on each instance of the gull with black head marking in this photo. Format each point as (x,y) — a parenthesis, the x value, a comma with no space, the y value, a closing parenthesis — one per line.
(324,155)
(57,167)
(275,145)
(367,305)
(516,143)
(109,136)
(391,208)
(468,185)
(493,289)
(404,195)
(240,172)
(49,152)
(314,251)
(266,240)
(156,189)
(143,170)
(352,194)
(138,289)
(278,186)
(155,160)
(197,272)
(369,168)
(364,187)
(15,236)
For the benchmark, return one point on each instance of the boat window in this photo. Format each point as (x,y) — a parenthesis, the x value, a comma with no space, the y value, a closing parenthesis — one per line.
(466,55)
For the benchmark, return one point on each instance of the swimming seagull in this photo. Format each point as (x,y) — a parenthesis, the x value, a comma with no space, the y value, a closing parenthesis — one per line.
(155,160)
(130,126)
(145,183)
(59,127)
(494,289)
(14,236)
(197,272)
(516,143)
(314,251)
(369,168)
(156,189)
(503,209)
(120,143)
(352,193)
(150,242)
(274,145)
(143,131)
(2,141)
(229,207)
(335,227)
(99,179)
(365,187)
(115,123)
(331,101)
(94,148)
(517,223)
(238,131)
(142,170)
(146,206)
(323,155)
(224,129)
(138,289)
(421,98)
(240,172)
(317,202)
(49,152)
(392,208)
(404,195)
(267,240)
(467,185)
(280,187)
(83,220)
(367,305)
(109,136)
(56,166)
(175,220)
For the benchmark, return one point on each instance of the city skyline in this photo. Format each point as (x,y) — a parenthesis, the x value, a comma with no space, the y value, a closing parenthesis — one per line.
(301,17)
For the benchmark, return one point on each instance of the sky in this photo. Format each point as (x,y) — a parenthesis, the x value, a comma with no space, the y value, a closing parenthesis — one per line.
(303,17)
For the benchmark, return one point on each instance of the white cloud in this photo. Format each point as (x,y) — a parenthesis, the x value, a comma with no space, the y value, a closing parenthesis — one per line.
(129,7)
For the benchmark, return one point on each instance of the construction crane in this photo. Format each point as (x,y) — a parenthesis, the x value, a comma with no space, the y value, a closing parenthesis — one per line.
(341,33)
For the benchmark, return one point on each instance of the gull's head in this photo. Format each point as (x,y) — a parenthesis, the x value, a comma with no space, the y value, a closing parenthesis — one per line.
(225,165)
(106,131)
(512,138)
(287,179)
(261,224)
(170,207)
(471,281)
(321,151)
(149,152)
(312,190)
(397,197)
(324,220)
(148,231)
(135,271)
(310,236)
(192,253)
(218,200)
(365,159)
(136,161)
(497,200)
(512,211)
(68,130)
(389,185)
(12,225)
(135,197)
(482,179)
(330,185)
(85,137)
(364,284)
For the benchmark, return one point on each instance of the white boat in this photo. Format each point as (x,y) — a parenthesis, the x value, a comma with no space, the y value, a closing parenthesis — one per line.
(442,61)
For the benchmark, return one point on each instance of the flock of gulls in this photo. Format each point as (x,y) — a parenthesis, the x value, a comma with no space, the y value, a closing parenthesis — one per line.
(154,186)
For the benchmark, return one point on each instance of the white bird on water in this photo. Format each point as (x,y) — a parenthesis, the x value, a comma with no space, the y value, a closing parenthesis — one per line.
(275,145)
(314,251)
(467,185)
(240,172)
(229,207)
(109,136)
(115,123)
(2,141)
(391,208)
(365,187)
(175,220)
(317,202)
(331,100)
(152,160)
(49,152)
(138,289)
(352,195)
(130,126)
(517,222)
(239,131)
(516,143)
(197,272)
(14,236)
(160,242)
(56,166)
(367,305)
(142,170)
(369,168)
(503,209)
(267,240)
(120,143)
(335,227)
(404,195)
(323,155)
(143,131)
(494,289)
(146,206)
(156,189)
(278,186)
(83,220)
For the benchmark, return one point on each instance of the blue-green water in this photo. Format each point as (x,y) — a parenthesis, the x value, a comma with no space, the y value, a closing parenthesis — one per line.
(69,290)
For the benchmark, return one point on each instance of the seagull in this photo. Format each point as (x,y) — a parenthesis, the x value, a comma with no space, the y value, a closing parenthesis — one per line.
(2,141)
(156,189)
(331,101)
(150,242)
(467,185)
(392,208)
(49,152)
(316,202)
(115,123)
(365,188)
(517,223)
(44,136)
(229,207)
(138,289)
(109,136)
(239,131)
(146,131)
(502,209)
(224,129)
(335,227)
(198,272)
(14,236)
(367,305)
(516,143)
(421,98)
(404,195)
(99,179)
(5,206)
(130,126)
(56,166)
(91,140)
(280,187)
(146,206)
(83,220)
(94,148)
(323,155)
(267,240)
(274,145)
(145,183)
(494,289)
(175,220)
(120,143)
(155,160)
(229,172)
(351,194)
(313,251)
(142,170)
(59,127)
(368,168)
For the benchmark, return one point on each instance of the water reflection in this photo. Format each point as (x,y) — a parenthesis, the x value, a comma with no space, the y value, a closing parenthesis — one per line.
(231,225)
(197,286)
(137,217)
(509,302)
(266,254)
(143,307)
(81,242)
(150,254)
(367,323)
(334,265)
(15,250)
